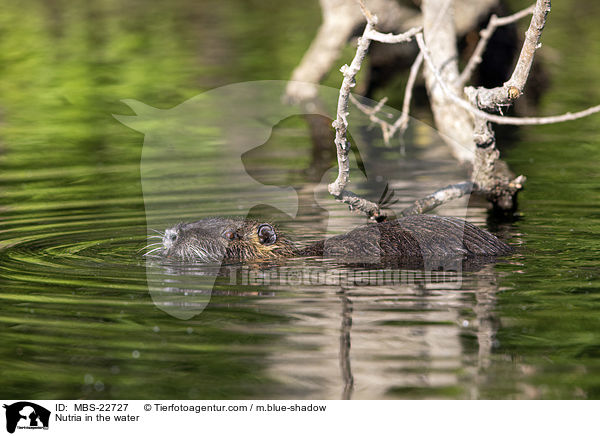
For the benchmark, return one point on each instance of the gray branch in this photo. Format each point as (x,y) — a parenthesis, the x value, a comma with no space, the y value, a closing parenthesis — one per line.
(340,124)
(402,122)
(388,130)
(389,38)
(464,123)
(371,112)
(492,100)
(472,94)
(441,71)
(486,34)
(444,195)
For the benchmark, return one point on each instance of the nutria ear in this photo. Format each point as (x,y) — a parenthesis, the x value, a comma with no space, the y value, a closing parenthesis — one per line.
(266,234)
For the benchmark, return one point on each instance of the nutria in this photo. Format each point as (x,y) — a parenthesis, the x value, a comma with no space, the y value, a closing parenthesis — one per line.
(412,237)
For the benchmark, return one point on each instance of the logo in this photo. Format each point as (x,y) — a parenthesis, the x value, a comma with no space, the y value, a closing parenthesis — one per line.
(26,415)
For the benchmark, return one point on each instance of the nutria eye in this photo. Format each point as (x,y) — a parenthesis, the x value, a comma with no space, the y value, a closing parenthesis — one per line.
(173,237)
(266,234)
(230,235)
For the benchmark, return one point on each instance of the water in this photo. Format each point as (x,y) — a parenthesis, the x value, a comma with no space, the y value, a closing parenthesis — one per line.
(82,316)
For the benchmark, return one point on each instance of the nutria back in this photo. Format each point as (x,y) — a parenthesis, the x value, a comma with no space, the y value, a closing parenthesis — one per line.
(418,236)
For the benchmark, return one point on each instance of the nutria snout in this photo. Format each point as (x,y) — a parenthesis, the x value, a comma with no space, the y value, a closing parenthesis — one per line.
(413,237)
(215,239)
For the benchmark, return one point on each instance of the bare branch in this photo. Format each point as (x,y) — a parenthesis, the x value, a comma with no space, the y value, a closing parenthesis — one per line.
(380,104)
(486,34)
(531,44)
(495,98)
(337,188)
(402,122)
(389,38)
(509,19)
(515,121)
(371,112)
(341,123)
(355,202)
(439,197)
(537,121)
(389,130)
(368,110)
(453,122)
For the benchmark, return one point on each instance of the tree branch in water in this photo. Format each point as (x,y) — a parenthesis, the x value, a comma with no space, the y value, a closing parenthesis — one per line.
(338,187)
(486,34)
(439,197)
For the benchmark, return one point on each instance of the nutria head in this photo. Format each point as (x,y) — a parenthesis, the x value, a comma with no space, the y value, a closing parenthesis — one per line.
(217,239)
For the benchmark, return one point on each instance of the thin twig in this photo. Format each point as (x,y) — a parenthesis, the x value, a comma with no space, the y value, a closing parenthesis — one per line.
(371,19)
(388,130)
(537,121)
(390,38)
(368,110)
(486,34)
(515,121)
(441,196)
(402,122)
(371,112)
(380,104)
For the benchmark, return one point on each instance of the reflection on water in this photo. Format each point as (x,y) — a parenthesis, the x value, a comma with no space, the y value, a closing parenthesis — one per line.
(373,334)
(84,315)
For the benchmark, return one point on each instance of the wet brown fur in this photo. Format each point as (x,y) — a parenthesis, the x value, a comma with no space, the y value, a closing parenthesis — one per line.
(248,247)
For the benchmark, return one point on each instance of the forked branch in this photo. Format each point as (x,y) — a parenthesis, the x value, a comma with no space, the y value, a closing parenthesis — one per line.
(340,124)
